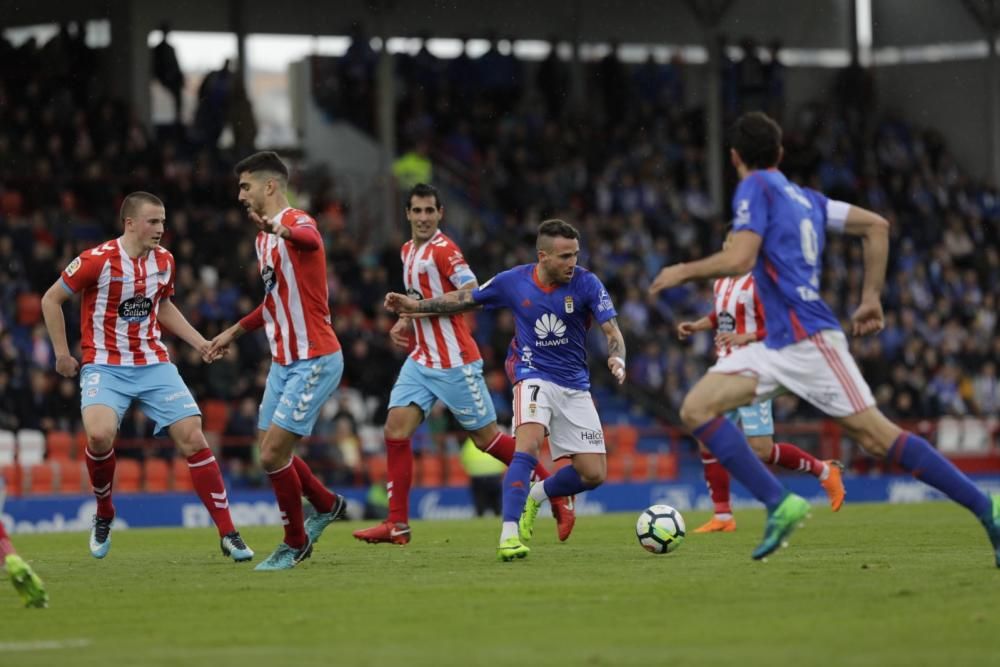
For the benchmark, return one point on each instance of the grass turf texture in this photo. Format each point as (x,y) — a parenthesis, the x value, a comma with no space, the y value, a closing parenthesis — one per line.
(873,585)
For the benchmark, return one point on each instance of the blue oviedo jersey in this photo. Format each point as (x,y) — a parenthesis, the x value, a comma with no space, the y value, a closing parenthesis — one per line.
(792,223)
(551,322)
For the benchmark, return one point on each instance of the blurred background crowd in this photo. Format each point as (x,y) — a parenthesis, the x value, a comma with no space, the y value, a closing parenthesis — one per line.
(628,170)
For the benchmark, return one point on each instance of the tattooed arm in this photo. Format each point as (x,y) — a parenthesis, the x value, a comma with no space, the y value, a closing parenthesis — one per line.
(452,302)
(616,349)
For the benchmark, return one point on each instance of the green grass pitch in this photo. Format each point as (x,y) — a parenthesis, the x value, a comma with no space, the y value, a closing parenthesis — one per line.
(873,585)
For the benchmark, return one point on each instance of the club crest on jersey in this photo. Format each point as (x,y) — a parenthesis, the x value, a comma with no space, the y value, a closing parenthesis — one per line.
(605,301)
(135,309)
(568,305)
(727,322)
(73,267)
(267,275)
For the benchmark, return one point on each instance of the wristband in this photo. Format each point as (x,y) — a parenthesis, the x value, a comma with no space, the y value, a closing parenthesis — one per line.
(620,372)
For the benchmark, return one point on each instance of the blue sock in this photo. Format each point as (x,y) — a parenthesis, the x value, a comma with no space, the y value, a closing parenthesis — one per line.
(566,482)
(731,448)
(515,485)
(916,455)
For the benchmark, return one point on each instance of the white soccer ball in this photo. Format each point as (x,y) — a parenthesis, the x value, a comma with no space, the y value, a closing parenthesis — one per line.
(660,529)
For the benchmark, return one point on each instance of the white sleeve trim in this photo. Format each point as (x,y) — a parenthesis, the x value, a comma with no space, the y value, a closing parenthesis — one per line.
(836,214)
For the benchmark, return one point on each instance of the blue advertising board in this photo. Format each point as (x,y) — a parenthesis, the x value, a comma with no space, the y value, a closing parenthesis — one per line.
(249,508)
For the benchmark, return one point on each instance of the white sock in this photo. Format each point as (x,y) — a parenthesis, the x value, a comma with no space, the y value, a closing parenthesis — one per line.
(537,493)
(508,531)
(724,516)
(826,472)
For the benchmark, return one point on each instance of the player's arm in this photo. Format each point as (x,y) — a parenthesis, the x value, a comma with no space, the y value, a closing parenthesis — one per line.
(685,329)
(874,232)
(616,348)
(458,301)
(254,320)
(410,316)
(303,236)
(170,317)
(735,260)
(55,323)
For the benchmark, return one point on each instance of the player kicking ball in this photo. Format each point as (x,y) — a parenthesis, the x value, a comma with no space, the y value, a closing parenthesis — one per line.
(554,303)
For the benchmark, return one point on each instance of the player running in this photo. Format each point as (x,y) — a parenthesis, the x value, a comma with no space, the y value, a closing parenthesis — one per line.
(780,232)
(738,320)
(444,365)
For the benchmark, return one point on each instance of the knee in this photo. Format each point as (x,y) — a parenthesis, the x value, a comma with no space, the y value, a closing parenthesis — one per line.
(872,444)
(192,443)
(100,441)
(396,429)
(484,437)
(872,441)
(593,478)
(762,447)
(270,458)
(694,415)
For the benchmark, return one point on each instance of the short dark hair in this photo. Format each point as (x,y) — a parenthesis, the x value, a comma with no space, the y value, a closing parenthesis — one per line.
(263,161)
(424,190)
(757,138)
(553,228)
(133,201)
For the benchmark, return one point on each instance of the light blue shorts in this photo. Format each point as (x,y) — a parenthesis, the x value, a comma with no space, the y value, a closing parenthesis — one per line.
(159,389)
(462,389)
(295,393)
(755,419)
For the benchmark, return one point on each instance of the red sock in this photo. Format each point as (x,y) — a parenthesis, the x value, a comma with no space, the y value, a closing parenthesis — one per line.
(717,480)
(288,491)
(318,495)
(399,461)
(791,457)
(102,474)
(502,449)
(6,547)
(207,480)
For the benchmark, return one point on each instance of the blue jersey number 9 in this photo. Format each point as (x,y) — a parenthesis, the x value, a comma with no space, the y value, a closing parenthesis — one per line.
(810,241)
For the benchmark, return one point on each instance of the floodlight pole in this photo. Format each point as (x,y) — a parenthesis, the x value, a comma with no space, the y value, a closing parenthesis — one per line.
(989,21)
(709,14)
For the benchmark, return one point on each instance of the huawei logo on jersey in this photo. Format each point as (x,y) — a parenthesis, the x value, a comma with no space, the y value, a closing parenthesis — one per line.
(549,325)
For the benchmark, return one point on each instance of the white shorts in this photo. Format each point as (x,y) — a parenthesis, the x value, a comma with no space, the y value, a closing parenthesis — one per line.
(819,369)
(568,415)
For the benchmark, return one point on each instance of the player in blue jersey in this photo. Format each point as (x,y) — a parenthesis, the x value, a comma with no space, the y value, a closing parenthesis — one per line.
(780,232)
(554,303)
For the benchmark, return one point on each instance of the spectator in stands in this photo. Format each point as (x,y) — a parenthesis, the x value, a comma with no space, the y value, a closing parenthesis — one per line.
(167,70)
(240,118)
(213,100)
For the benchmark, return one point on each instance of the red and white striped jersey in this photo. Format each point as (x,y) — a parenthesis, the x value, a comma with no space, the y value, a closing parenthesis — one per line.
(737,309)
(433,269)
(121,299)
(296,304)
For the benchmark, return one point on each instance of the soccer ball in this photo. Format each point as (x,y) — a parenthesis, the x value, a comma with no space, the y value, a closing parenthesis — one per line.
(660,529)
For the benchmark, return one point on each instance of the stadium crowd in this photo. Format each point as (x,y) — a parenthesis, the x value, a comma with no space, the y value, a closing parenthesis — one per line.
(627,169)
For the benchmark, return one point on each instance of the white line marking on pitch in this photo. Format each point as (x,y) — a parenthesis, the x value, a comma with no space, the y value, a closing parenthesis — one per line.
(43,645)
